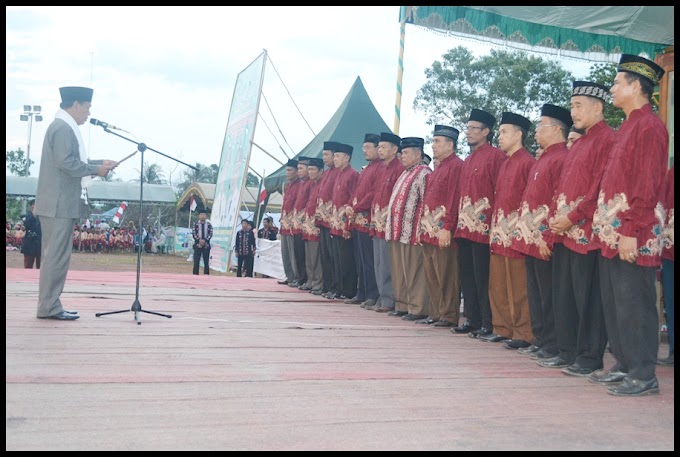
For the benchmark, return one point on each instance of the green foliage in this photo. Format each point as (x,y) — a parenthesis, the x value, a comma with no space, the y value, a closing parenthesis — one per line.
(15,162)
(512,81)
(604,73)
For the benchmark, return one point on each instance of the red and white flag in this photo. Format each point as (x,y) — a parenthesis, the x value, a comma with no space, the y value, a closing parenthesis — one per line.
(263,196)
(119,213)
(193,204)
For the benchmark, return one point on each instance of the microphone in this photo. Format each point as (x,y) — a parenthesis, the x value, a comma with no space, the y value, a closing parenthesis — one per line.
(94,121)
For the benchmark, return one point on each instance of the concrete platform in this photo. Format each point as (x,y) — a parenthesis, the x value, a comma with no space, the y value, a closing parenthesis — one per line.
(247,364)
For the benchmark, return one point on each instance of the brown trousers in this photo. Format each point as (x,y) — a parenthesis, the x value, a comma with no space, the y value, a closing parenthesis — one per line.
(443,281)
(408,279)
(508,297)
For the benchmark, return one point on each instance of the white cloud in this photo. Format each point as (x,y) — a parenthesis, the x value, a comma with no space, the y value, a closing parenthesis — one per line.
(166,74)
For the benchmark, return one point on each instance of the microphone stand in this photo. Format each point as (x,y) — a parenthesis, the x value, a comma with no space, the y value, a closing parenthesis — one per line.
(136,305)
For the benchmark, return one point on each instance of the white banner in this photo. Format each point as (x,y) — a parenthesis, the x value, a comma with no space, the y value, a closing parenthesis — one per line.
(268,259)
(231,177)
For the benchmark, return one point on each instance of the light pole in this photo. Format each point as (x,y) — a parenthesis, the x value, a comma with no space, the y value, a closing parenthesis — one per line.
(29,112)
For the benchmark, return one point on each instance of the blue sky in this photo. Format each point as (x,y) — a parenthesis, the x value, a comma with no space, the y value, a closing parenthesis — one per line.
(166,74)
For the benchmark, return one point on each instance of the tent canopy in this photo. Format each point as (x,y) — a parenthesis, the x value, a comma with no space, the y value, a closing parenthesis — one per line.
(102,191)
(573,31)
(204,195)
(355,117)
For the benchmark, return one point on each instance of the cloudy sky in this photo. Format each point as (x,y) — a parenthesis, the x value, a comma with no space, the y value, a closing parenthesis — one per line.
(166,74)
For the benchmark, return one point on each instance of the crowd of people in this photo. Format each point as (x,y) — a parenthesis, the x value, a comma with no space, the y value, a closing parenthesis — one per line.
(555,256)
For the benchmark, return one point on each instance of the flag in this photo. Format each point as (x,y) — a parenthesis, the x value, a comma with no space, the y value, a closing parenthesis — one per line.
(86,224)
(119,213)
(193,204)
(263,196)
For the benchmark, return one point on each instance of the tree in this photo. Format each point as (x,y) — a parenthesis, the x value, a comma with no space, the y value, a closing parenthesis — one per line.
(501,81)
(15,162)
(604,73)
(153,174)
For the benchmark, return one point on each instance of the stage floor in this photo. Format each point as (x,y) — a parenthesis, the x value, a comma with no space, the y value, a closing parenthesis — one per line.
(247,364)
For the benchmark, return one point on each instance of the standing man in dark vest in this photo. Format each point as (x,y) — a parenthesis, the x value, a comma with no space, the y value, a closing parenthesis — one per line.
(323,221)
(202,233)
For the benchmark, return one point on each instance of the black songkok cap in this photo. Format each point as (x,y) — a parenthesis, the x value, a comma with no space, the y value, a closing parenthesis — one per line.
(292,163)
(316,162)
(75,94)
(557,112)
(515,119)
(445,130)
(426,159)
(346,148)
(641,66)
(412,142)
(329,145)
(303,160)
(485,118)
(372,138)
(202,210)
(589,89)
(390,138)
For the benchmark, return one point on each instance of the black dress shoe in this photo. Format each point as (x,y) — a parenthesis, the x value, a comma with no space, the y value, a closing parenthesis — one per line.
(332,296)
(542,354)
(316,292)
(634,388)
(304,287)
(443,323)
(480,332)
(465,328)
(577,370)
(553,362)
(382,309)
(394,312)
(294,284)
(607,377)
(492,338)
(284,282)
(516,344)
(70,311)
(413,317)
(426,321)
(668,361)
(529,349)
(62,316)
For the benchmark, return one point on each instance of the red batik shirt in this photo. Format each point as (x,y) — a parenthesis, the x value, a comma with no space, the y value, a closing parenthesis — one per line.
(289,197)
(324,205)
(477,187)
(630,201)
(440,205)
(532,225)
(310,231)
(342,197)
(512,180)
(386,178)
(299,207)
(406,203)
(668,252)
(363,196)
(576,194)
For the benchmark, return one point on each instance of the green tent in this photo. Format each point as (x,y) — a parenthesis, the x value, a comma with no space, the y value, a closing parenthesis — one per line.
(355,117)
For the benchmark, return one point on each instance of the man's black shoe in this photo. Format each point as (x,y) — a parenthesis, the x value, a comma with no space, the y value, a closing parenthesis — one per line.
(465,328)
(516,344)
(529,349)
(62,316)
(480,332)
(394,312)
(284,282)
(553,362)
(577,370)
(607,377)
(634,388)
(413,317)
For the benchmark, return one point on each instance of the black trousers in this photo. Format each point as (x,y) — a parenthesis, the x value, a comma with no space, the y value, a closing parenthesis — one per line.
(326,259)
(474,282)
(299,247)
(343,262)
(541,310)
(205,254)
(244,266)
(579,320)
(367,287)
(631,317)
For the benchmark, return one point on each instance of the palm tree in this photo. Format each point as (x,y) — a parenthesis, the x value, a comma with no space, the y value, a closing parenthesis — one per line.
(153,174)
